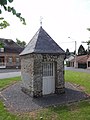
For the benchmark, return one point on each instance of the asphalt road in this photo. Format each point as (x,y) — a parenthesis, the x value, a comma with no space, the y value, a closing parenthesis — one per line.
(9,70)
(77,69)
(8,73)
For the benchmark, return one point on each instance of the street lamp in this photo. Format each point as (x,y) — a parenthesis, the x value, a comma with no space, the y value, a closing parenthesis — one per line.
(75,52)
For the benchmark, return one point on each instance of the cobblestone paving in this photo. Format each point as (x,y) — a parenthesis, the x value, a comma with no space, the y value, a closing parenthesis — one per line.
(17,101)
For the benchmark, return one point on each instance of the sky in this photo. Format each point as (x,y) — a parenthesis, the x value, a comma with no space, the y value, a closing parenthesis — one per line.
(61,19)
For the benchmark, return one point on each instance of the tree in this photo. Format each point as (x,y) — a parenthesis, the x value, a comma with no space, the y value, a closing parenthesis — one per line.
(81,50)
(3,23)
(1,45)
(88,43)
(67,52)
(74,52)
(20,43)
(88,29)
(3,4)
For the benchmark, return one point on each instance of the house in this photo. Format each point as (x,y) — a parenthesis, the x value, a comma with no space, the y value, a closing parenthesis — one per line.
(88,62)
(81,61)
(68,59)
(9,54)
(42,66)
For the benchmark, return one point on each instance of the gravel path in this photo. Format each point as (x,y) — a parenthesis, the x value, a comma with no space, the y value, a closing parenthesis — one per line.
(17,101)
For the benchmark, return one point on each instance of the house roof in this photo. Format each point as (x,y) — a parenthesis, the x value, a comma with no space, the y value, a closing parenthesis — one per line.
(10,46)
(71,55)
(70,58)
(42,43)
(81,59)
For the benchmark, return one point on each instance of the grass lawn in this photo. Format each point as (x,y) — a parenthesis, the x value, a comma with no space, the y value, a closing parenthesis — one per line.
(8,81)
(5,115)
(79,78)
(74,111)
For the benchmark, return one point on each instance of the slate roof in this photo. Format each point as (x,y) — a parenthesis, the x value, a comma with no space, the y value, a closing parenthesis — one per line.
(42,43)
(10,46)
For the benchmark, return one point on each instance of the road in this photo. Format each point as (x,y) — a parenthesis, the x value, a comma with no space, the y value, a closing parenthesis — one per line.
(8,73)
(77,69)
(9,70)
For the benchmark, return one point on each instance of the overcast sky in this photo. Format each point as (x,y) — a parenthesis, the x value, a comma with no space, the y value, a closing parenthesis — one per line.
(61,19)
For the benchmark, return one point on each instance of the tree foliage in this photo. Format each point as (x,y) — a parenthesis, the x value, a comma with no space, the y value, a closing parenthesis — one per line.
(3,23)
(81,50)
(3,4)
(88,29)
(1,45)
(67,52)
(20,43)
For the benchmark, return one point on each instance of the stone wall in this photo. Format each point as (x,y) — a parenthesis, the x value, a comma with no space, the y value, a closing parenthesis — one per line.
(32,74)
(27,73)
(37,80)
(60,75)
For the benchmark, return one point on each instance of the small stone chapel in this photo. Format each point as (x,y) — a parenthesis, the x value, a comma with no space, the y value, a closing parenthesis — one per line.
(42,66)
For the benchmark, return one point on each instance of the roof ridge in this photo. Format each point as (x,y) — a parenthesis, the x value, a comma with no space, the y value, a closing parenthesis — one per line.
(30,42)
(37,37)
(11,46)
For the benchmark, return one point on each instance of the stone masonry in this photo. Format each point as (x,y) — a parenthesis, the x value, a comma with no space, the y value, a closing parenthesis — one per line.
(32,74)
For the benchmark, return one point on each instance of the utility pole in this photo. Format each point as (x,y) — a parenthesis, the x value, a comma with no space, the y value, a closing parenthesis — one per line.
(75,62)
